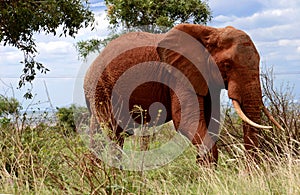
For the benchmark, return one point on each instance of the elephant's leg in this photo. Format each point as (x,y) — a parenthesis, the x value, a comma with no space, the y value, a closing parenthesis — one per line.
(212,118)
(199,137)
(212,113)
(120,136)
(208,151)
(92,131)
(110,142)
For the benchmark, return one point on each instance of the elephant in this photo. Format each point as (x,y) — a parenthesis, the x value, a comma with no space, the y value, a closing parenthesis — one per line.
(210,58)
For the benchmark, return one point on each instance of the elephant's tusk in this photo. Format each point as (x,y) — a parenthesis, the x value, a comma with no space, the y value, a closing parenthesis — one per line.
(239,111)
(268,114)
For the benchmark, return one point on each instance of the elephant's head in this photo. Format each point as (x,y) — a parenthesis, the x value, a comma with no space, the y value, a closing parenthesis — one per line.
(238,64)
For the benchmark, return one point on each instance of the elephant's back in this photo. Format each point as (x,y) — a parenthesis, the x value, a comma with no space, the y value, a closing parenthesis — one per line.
(123,44)
(118,56)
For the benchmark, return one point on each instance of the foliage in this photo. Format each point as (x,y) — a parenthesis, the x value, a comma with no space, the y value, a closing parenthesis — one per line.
(19,20)
(154,16)
(8,107)
(134,13)
(27,156)
(285,108)
(68,117)
(84,48)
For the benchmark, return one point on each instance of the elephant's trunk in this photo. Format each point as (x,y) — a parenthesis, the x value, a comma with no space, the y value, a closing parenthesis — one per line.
(251,105)
(247,100)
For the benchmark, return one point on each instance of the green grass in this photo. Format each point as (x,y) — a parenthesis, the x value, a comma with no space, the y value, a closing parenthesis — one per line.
(43,160)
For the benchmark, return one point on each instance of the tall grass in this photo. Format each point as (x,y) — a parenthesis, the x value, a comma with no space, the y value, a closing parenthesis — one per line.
(43,159)
(46,162)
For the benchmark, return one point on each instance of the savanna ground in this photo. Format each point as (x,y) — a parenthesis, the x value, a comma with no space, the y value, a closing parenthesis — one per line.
(52,159)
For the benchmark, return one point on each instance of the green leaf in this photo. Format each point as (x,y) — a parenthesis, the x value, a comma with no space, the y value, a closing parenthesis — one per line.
(19,20)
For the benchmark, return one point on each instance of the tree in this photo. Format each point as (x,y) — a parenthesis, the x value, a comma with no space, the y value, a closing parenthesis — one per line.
(167,13)
(8,108)
(20,19)
(69,118)
(155,16)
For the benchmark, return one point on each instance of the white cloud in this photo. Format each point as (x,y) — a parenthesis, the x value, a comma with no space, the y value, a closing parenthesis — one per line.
(225,19)
(101,28)
(10,56)
(237,7)
(98,4)
(54,47)
(280,3)
(276,32)
(288,42)
(274,27)
(264,19)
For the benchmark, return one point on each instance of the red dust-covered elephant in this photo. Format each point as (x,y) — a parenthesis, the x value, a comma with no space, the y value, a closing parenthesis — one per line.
(182,72)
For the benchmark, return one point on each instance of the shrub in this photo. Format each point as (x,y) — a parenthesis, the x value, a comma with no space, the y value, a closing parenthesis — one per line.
(285,108)
(9,107)
(69,117)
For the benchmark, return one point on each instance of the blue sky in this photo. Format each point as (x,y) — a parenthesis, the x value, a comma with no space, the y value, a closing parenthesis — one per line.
(272,24)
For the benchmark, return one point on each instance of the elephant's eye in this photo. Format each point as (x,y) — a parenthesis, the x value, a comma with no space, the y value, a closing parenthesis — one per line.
(227,66)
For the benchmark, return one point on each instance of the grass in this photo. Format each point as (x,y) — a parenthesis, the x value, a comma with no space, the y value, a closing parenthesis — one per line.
(44,160)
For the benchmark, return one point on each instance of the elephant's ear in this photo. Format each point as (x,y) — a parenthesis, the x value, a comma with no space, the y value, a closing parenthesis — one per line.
(185,47)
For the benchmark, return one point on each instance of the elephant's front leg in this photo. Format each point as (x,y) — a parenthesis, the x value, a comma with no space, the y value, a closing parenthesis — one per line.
(186,119)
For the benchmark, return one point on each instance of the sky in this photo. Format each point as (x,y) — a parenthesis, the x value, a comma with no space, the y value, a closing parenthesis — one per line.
(273,26)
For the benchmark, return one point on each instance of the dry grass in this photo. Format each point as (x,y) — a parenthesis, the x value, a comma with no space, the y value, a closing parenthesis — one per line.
(41,159)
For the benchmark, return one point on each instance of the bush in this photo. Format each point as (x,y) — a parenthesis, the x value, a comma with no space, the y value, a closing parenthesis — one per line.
(9,107)
(69,117)
(285,108)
